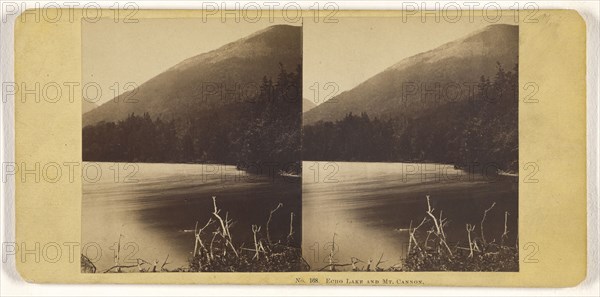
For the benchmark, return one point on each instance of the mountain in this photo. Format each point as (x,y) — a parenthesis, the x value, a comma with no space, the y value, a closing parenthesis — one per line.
(240,104)
(87,106)
(307,105)
(200,84)
(401,90)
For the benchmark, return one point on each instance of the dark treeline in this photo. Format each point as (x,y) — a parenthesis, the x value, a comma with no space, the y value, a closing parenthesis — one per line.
(480,131)
(265,130)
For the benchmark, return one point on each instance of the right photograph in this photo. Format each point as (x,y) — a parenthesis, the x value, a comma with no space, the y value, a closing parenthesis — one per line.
(410,145)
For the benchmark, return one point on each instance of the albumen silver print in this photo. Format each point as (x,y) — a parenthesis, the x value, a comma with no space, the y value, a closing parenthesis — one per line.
(274,147)
(411,160)
(210,134)
(364,148)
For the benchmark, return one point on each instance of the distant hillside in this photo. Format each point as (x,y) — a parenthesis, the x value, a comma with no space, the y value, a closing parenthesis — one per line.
(240,104)
(307,105)
(381,121)
(400,90)
(87,106)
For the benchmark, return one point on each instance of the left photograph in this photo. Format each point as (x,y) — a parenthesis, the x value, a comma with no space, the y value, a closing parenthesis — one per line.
(191,142)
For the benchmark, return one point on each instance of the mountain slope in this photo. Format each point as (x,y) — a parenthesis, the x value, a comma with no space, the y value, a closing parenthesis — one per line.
(307,105)
(87,106)
(406,87)
(199,84)
(195,112)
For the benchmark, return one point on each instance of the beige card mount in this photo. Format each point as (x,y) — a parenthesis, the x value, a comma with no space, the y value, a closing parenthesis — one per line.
(355,148)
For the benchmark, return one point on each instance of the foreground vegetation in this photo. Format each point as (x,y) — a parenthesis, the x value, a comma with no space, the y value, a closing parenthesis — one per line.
(429,249)
(216,251)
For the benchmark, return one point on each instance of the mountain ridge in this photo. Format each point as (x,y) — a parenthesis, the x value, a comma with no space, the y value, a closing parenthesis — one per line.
(307,105)
(451,63)
(196,84)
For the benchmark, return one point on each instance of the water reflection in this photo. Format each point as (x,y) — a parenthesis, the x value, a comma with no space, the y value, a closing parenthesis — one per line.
(155,210)
(368,206)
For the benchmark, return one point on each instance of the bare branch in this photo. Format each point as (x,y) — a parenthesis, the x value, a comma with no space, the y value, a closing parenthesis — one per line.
(291,234)
(269,220)
(439,226)
(483,220)
(164,263)
(470,228)
(224,227)
(505,234)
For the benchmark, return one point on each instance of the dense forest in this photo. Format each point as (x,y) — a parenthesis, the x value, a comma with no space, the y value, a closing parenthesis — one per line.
(480,131)
(263,130)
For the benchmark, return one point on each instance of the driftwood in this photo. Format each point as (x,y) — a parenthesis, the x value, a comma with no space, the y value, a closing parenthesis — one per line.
(470,228)
(439,226)
(291,234)
(483,220)
(87,266)
(411,233)
(225,225)
(269,220)
(505,234)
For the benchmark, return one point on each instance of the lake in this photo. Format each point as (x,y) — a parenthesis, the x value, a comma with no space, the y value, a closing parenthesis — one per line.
(367,204)
(155,208)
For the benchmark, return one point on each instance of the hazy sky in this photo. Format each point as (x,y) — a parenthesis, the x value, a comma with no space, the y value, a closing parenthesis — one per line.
(354,49)
(136,52)
(345,53)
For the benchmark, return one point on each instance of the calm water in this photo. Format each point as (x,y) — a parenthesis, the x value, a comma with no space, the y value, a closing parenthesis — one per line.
(155,208)
(366,204)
